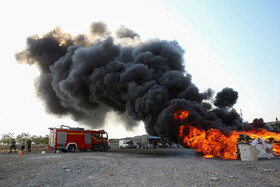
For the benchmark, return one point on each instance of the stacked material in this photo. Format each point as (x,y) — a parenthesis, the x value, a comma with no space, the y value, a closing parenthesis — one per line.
(252,150)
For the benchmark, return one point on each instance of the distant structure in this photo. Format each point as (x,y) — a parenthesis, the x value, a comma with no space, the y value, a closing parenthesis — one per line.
(272,123)
(146,141)
(150,140)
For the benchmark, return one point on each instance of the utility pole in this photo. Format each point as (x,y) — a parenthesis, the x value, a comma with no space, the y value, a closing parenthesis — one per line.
(241,119)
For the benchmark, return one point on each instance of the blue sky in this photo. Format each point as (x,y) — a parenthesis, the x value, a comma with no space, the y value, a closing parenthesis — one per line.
(227,44)
(244,37)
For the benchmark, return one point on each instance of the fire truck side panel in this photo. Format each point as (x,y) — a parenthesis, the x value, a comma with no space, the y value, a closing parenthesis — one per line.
(87,138)
(52,137)
(79,138)
(61,140)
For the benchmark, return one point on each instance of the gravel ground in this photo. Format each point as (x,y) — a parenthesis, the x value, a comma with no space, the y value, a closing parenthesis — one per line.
(134,167)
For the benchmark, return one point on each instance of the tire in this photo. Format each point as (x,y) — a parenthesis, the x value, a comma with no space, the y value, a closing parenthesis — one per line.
(102,147)
(71,148)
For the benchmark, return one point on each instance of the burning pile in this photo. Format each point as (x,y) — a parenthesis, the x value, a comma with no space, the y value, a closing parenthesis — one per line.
(214,143)
(86,76)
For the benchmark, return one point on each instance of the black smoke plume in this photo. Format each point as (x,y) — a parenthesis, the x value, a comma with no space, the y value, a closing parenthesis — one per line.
(85,77)
(226,98)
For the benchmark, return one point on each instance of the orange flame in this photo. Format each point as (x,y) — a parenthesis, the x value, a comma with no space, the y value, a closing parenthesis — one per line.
(276,148)
(181,115)
(214,143)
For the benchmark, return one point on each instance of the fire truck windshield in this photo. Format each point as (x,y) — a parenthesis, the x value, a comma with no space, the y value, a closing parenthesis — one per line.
(105,135)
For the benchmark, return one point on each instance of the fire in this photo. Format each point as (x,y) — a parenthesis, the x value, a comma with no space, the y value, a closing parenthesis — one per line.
(208,156)
(276,148)
(181,115)
(214,143)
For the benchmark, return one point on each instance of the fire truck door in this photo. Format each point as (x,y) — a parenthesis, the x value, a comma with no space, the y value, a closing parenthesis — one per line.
(61,139)
(87,138)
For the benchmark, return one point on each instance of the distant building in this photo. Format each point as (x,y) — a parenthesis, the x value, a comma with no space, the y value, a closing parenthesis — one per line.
(272,123)
(144,140)
(147,141)
(150,140)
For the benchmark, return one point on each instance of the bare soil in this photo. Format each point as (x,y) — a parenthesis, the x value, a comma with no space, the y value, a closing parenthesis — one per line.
(134,167)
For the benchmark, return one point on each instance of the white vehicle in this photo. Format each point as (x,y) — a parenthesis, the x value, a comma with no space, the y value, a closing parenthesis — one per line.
(127,144)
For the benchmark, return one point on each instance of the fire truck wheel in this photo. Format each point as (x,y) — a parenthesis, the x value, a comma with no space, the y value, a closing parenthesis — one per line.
(71,148)
(102,147)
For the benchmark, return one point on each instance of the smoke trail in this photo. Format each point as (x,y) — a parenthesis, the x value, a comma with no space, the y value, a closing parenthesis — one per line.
(138,80)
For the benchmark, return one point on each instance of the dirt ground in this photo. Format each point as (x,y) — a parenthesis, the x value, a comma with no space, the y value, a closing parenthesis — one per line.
(134,167)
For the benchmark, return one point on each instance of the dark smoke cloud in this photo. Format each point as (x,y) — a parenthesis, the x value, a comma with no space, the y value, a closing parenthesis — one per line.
(226,98)
(99,29)
(259,123)
(138,80)
(124,32)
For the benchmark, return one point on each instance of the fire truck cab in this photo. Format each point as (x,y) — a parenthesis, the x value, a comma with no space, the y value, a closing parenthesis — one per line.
(70,139)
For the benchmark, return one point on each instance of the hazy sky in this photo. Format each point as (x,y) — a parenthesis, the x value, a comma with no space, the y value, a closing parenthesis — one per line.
(228,44)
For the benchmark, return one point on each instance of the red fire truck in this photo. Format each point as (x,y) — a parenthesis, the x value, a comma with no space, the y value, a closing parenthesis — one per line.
(69,139)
